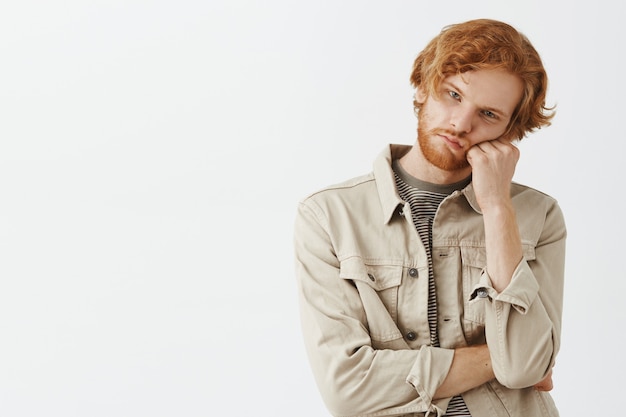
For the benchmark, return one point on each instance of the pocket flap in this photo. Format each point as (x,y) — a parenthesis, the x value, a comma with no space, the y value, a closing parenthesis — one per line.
(379,277)
(474,256)
(477,256)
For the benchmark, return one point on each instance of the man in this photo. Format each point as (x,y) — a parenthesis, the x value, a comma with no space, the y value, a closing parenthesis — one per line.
(434,285)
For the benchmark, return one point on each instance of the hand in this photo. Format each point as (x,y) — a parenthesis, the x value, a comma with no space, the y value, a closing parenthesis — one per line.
(545,384)
(493,165)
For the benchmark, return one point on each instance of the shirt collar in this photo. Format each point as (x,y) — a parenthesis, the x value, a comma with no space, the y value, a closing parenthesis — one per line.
(386,184)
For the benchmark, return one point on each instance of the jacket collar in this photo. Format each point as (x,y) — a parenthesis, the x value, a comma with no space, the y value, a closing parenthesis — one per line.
(469,194)
(385,181)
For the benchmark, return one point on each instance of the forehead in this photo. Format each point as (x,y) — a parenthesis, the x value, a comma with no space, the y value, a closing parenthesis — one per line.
(493,89)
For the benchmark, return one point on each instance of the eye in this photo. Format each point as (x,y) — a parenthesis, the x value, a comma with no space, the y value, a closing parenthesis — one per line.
(454,95)
(490,114)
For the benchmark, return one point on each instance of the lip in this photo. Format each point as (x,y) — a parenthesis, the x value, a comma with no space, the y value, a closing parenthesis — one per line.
(453,143)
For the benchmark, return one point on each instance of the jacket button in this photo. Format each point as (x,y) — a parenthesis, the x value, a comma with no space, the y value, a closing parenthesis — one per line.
(411,335)
(371,277)
(413,272)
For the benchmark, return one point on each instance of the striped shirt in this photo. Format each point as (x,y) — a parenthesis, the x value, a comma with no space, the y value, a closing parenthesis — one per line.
(424,199)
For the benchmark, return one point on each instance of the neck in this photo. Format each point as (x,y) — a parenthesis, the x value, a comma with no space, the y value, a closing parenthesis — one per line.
(416,165)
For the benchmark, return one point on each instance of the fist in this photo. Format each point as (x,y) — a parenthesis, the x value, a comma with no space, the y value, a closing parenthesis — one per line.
(493,165)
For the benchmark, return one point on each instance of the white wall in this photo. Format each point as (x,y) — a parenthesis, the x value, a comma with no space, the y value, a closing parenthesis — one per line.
(151,157)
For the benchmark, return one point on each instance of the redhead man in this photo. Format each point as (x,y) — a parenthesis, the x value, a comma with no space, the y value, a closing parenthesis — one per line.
(434,284)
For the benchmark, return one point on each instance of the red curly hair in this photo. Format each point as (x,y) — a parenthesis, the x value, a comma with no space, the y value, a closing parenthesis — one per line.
(487,44)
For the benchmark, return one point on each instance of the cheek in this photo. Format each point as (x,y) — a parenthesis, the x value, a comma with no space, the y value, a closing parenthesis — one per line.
(486,133)
(436,114)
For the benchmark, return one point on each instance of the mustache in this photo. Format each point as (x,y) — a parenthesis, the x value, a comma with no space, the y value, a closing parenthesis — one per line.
(447,132)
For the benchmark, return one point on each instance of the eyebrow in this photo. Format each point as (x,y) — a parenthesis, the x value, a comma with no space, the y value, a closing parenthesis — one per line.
(496,110)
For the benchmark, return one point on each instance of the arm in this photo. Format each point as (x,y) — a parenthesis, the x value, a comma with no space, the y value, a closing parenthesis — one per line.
(493,165)
(352,377)
(471,367)
(523,311)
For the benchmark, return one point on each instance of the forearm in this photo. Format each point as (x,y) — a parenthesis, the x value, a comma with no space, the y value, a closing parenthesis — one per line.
(503,243)
(471,367)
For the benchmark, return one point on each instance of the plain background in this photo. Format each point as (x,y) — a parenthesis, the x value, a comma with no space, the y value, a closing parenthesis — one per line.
(152,154)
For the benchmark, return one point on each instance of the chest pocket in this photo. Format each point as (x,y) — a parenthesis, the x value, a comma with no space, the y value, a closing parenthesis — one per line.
(378,287)
(474,260)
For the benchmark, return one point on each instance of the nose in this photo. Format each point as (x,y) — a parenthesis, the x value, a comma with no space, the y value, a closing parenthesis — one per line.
(461,120)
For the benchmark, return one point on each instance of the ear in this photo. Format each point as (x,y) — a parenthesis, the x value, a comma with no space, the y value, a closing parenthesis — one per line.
(420,95)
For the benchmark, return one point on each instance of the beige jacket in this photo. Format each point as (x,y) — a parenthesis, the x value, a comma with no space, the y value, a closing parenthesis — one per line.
(363,285)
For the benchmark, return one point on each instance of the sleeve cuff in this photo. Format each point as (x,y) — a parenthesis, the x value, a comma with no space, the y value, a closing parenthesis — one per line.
(520,293)
(427,374)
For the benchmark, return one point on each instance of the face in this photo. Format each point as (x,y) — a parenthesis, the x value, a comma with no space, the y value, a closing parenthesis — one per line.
(470,108)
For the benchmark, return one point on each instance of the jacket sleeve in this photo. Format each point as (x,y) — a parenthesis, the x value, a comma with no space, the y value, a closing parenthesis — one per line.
(354,378)
(523,322)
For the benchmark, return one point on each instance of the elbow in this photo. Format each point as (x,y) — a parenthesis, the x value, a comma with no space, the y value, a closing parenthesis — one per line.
(513,380)
(525,365)
(343,400)
(347,391)
(342,406)
(523,374)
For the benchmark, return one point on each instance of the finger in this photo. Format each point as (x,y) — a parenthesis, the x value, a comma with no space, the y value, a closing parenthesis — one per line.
(491,146)
(546,386)
(484,146)
(476,155)
(505,148)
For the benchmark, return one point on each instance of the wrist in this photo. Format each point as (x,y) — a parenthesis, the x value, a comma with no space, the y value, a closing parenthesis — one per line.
(497,207)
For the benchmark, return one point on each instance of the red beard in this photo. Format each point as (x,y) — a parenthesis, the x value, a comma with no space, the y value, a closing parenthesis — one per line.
(437,153)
